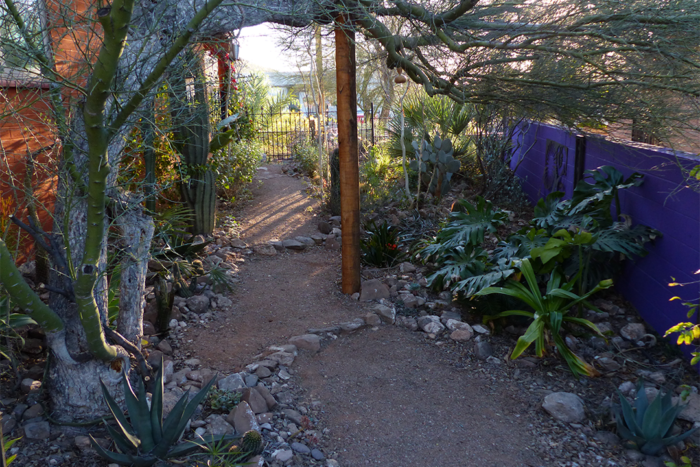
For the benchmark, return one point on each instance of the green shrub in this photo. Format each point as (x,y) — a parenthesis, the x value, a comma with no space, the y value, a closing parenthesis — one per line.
(305,153)
(236,166)
(381,249)
(380,176)
(223,401)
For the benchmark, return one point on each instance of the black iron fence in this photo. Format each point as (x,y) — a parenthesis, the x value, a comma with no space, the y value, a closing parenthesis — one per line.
(283,132)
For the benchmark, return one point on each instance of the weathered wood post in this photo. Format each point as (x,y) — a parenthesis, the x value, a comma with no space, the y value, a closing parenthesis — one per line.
(349,159)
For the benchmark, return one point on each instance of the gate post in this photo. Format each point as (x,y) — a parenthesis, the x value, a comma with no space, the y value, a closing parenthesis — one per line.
(349,159)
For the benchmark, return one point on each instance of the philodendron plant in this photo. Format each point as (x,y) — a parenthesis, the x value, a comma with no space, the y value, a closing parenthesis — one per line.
(549,311)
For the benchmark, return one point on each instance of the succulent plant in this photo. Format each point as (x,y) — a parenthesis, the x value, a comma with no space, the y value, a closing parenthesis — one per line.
(649,425)
(148,438)
(436,160)
(252,442)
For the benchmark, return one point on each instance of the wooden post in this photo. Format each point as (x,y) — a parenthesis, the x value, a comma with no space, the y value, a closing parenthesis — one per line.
(349,160)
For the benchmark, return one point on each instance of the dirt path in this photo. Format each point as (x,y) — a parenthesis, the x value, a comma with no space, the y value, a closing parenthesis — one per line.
(387,396)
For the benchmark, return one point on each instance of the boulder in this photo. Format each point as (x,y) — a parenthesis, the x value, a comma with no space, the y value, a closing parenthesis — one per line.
(243,418)
(232,382)
(461,335)
(265,250)
(198,304)
(385,313)
(255,400)
(325,228)
(565,407)
(310,342)
(633,331)
(373,289)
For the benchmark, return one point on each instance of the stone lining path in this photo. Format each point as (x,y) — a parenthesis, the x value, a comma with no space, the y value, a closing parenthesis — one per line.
(380,396)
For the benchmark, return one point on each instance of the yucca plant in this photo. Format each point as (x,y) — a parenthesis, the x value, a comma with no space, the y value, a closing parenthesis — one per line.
(148,438)
(648,426)
(549,312)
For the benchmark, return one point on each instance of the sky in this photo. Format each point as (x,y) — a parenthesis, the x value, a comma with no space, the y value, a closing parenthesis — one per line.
(259,48)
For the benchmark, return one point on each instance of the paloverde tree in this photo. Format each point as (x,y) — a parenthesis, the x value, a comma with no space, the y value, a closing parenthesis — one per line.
(575,59)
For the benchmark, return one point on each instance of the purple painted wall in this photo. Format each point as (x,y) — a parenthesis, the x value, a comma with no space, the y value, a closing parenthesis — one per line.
(677,216)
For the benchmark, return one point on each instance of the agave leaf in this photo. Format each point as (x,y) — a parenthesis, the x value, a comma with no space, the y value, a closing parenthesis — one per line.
(172,421)
(669,416)
(652,446)
(641,404)
(157,406)
(116,411)
(147,441)
(629,416)
(625,432)
(192,406)
(140,420)
(123,459)
(125,442)
(652,418)
(681,437)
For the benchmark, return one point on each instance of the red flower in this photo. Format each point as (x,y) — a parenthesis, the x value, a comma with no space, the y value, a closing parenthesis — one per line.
(391,246)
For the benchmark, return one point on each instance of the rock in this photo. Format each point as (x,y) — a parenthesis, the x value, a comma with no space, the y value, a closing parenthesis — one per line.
(325,228)
(608,364)
(483,350)
(373,289)
(293,416)
(283,455)
(265,250)
(407,322)
(300,448)
(461,335)
(691,412)
(238,244)
(336,221)
(218,426)
(198,304)
(264,418)
(148,329)
(255,400)
(481,329)
(307,241)
(450,315)
(243,418)
(29,385)
(263,372)
(251,380)
(430,324)
(627,388)
(231,382)
(565,407)
(607,437)
(293,245)
(33,412)
(282,358)
(38,430)
(318,455)
(634,455)
(332,243)
(352,326)
(386,314)
(633,331)
(310,342)
(605,328)
(372,320)
(454,325)
(407,268)
(165,347)
(276,245)
(409,300)
(192,362)
(318,238)
(265,393)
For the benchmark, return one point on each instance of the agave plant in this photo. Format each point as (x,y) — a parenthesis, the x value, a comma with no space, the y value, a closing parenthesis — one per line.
(149,438)
(549,312)
(649,425)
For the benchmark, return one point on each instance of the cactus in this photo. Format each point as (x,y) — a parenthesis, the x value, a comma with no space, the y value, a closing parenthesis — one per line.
(252,442)
(334,201)
(193,130)
(437,162)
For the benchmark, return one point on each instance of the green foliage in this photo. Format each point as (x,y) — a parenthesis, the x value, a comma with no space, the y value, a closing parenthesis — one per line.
(685,462)
(586,243)
(549,311)
(648,426)
(380,176)
(688,333)
(305,153)
(5,446)
(9,323)
(146,438)
(381,249)
(222,401)
(435,164)
(236,165)
(171,240)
